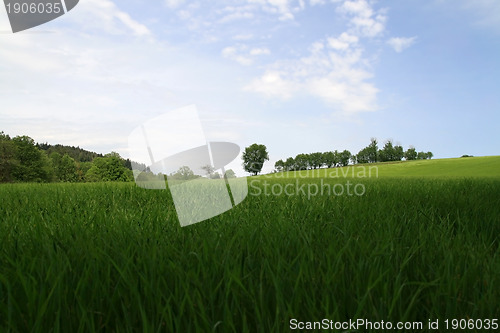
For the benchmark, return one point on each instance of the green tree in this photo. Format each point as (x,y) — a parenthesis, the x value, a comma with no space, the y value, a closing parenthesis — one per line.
(302,162)
(411,154)
(47,167)
(373,151)
(77,153)
(209,170)
(329,159)
(230,174)
(8,161)
(93,174)
(368,154)
(65,167)
(391,152)
(82,168)
(290,164)
(316,160)
(116,170)
(421,155)
(363,156)
(430,155)
(254,157)
(344,157)
(337,156)
(68,169)
(56,160)
(279,165)
(184,173)
(111,167)
(399,152)
(33,164)
(387,153)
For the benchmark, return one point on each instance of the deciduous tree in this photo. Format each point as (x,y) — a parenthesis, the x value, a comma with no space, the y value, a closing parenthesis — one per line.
(344,157)
(32,164)
(254,157)
(279,165)
(411,154)
(8,161)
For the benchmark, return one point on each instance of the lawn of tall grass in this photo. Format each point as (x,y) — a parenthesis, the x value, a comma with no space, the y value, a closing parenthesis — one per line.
(112,257)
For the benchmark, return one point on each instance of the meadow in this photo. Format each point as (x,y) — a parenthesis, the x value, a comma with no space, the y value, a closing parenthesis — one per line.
(421,243)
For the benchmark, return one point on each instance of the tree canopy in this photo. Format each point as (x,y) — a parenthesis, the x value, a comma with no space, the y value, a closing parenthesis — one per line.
(23,160)
(369,154)
(254,157)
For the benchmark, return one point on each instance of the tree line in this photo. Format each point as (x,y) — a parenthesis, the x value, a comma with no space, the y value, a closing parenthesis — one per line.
(390,152)
(23,160)
(370,154)
(185,173)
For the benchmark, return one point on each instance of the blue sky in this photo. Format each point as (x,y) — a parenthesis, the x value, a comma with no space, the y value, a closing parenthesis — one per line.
(296,75)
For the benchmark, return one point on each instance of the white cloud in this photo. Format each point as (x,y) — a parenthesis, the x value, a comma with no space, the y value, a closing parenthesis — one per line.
(401,43)
(232,52)
(273,84)
(345,93)
(104,15)
(87,84)
(334,70)
(242,55)
(243,37)
(340,79)
(137,28)
(184,14)
(283,8)
(235,13)
(236,16)
(101,85)
(174,3)
(343,42)
(260,51)
(364,20)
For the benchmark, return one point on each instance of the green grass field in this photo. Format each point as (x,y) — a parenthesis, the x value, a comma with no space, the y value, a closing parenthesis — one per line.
(421,243)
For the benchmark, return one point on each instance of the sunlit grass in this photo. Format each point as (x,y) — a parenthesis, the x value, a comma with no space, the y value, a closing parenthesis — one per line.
(113,257)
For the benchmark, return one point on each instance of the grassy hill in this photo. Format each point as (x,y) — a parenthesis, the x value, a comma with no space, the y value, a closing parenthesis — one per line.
(468,167)
(420,242)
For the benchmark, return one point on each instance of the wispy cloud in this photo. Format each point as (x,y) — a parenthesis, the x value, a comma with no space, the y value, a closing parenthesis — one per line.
(343,42)
(364,21)
(104,15)
(259,51)
(285,9)
(335,69)
(401,43)
(174,3)
(106,67)
(243,54)
(316,2)
(235,13)
(244,37)
(274,83)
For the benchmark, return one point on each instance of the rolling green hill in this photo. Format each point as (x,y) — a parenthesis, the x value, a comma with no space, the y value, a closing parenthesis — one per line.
(420,241)
(468,167)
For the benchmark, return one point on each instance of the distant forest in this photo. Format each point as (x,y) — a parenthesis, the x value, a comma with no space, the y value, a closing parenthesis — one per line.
(23,160)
